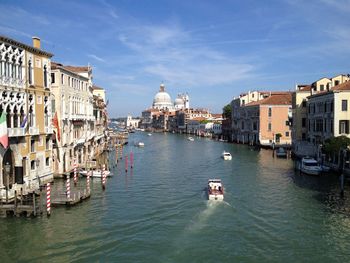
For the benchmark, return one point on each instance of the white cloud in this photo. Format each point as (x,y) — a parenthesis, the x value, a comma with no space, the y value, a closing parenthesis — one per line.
(96,58)
(174,56)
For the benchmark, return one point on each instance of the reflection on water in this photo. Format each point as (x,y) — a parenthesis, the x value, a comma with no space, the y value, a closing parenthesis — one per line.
(158,211)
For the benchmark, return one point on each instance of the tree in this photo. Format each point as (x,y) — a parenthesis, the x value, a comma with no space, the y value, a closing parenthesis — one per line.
(226,111)
(335,144)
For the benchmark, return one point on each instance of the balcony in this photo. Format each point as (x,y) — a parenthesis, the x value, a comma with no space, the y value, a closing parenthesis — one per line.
(48,130)
(16,132)
(33,131)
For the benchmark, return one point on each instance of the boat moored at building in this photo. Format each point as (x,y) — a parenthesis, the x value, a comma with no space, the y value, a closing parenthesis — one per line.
(310,166)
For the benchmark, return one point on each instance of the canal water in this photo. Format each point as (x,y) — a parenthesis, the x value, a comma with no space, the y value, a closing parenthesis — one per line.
(158,211)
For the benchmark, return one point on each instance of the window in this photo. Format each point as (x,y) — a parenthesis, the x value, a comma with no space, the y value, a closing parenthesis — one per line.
(30,77)
(270,112)
(322,87)
(32,145)
(52,78)
(47,143)
(303,122)
(45,76)
(344,126)
(287,134)
(47,161)
(62,79)
(32,165)
(344,105)
(287,123)
(336,82)
(303,136)
(269,126)
(303,103)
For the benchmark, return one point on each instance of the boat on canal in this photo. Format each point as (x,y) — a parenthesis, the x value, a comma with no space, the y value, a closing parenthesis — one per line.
(226,156)
(281,153)
(310,166)
(139,144)
(95,173)
(149,134)
(190,139)
(215,190)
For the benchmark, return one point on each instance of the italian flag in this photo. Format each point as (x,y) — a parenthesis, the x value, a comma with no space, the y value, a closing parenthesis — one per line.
(4,139)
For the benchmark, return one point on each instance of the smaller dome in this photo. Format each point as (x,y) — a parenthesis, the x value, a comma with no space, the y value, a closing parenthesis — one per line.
(179,101)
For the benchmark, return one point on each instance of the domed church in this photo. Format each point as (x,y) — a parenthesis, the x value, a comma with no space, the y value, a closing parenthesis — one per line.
(162,100)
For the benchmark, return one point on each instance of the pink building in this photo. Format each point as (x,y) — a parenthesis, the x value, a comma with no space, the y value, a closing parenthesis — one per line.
(267,121)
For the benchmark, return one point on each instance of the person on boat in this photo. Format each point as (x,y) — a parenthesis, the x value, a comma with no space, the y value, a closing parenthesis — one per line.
(220,189)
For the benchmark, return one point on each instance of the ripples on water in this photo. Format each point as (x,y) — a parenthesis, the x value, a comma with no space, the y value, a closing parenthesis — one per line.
(159,212)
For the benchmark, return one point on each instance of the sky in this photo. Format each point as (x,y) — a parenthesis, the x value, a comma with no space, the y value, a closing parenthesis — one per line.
(213,50)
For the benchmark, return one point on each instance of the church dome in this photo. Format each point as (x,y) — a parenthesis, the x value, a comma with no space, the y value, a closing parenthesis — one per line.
(162,99)
(179,101)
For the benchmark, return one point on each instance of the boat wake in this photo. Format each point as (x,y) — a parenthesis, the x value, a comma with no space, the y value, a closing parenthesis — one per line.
(202,218)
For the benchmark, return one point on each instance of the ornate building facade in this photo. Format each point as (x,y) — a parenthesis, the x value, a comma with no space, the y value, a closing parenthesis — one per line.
(25,99)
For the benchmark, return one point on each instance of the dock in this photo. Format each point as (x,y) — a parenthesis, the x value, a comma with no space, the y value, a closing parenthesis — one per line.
(76,197)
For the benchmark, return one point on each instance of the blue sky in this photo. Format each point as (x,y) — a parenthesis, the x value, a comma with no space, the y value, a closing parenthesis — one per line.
(213,50)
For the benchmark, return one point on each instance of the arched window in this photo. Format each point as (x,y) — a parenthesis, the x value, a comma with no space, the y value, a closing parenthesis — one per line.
(8,117)
(31,117)
(15,118)
(13,71)
(30,77)
(21,118)
(20,70)
(45,76)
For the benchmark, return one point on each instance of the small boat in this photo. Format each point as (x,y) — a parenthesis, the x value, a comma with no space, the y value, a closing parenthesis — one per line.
(95,173)
(226,156)
(149,134)
(215,190)
(310,166)
(139,144)
(190,139)
(281,153)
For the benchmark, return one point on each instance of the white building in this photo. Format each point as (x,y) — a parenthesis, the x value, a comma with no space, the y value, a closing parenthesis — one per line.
(131,123)
(72,89)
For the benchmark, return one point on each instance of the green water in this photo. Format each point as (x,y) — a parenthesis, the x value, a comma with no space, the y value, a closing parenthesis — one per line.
(159,212)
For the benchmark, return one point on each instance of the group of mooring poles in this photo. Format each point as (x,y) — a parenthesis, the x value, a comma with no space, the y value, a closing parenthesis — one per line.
(131,161)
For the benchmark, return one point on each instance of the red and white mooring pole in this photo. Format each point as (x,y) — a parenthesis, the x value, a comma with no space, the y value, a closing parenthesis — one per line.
(103,177)
(68,187)
(48,199)
(75,172)
(88,180)
(131,160)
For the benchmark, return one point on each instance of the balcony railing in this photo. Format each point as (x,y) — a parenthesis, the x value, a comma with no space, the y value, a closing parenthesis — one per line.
(48,130)
(33,130)
(15,132)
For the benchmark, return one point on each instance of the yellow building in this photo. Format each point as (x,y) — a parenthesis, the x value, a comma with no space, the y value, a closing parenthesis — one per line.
(26,100)
(99,92)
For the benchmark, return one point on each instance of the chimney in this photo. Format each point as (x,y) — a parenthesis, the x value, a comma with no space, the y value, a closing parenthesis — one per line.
(36,42)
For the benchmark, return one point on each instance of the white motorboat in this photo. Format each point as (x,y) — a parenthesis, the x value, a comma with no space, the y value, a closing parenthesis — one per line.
(310,166)
(149,134)
(139,144)
(95,173)
(226,156)
(281,153)
(215,190)
(190,139)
